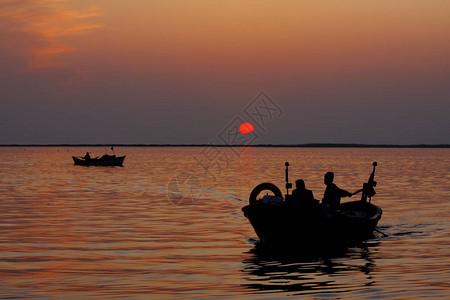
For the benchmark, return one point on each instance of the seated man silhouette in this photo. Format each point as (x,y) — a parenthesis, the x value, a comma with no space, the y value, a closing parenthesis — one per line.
(87,156)
(333,194)
(302,197)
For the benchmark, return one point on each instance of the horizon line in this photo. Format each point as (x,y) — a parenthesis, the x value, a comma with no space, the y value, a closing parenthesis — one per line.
(306,145)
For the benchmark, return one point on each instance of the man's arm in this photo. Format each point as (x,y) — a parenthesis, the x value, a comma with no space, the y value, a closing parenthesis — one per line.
(344,193)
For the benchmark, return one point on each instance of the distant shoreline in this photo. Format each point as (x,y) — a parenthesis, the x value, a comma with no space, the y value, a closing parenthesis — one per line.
(309,145)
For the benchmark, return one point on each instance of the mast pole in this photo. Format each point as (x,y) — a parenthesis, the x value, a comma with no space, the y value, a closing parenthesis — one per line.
(288,185)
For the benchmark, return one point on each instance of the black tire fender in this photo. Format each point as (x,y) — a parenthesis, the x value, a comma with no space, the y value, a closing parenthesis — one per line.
(262,187)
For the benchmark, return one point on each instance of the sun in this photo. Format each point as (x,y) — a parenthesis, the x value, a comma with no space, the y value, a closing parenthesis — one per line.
(246,128)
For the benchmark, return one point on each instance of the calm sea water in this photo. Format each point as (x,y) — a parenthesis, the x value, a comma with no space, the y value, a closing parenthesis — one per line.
(169,224)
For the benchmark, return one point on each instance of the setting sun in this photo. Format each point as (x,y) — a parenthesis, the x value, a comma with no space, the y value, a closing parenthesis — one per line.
(246,128)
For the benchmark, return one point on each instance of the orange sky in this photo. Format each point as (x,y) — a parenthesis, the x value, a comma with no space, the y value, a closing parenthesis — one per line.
(172,57)
(265,34)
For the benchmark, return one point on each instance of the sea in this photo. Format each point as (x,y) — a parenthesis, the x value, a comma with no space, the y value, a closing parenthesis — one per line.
(168,224)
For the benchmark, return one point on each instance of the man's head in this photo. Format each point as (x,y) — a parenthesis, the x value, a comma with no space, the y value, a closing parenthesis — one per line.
(300,184)
(328,178)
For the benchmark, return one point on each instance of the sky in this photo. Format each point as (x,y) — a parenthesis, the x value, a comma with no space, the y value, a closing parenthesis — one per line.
(182,72)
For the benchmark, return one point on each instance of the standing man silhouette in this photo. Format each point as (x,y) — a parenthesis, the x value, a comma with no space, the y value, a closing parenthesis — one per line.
(333,194)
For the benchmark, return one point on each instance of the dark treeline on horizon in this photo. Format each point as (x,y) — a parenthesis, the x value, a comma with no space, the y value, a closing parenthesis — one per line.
(309,145)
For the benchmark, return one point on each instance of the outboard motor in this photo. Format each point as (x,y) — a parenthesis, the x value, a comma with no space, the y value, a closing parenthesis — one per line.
(368,188)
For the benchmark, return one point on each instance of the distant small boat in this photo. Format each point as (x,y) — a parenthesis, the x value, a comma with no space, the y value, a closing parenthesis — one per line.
(105,160)
(276,222)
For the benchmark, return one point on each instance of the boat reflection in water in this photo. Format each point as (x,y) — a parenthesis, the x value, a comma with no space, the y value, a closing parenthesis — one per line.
(317,272)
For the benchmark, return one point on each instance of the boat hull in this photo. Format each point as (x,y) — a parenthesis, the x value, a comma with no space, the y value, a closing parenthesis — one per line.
(113,161)
(320,224)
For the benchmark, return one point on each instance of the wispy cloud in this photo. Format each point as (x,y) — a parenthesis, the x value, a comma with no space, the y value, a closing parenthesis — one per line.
(33,31)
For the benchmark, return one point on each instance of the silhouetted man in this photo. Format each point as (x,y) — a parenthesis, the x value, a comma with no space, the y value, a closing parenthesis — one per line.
(333,194)
(87,156)
(302,197)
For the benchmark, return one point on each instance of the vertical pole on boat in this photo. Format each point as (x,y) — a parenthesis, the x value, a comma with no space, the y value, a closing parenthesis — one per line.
(288,185)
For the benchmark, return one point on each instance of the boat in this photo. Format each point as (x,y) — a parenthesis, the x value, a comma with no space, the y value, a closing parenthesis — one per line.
(276,222)
(105,160)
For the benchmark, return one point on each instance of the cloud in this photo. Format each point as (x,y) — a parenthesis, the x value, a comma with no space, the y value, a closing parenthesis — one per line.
(32,32)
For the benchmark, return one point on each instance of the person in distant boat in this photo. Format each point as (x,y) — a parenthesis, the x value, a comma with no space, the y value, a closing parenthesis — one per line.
(87,156)
(333,194)
(302,197)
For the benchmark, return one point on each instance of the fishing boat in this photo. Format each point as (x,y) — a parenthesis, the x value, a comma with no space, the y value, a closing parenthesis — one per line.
(276,222)
(105,160)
